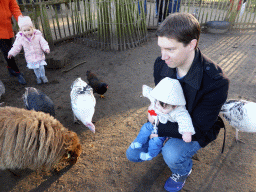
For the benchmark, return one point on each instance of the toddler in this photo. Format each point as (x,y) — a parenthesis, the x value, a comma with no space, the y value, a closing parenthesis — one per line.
(34,46)
(167,104)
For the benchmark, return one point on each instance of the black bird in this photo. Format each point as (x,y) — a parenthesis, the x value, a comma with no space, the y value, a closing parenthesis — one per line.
(35,99)
(98,85)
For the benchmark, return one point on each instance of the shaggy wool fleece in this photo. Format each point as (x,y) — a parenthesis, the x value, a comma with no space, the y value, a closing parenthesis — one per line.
(30,139)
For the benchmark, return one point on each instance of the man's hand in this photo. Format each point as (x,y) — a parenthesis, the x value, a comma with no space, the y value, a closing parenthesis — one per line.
(47,51)
(187,137)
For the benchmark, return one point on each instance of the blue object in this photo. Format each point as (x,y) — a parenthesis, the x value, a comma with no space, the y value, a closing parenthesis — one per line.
(21,79)
(145,6)
(12,72)
(174,6)
(25,1)
(36,100)
(155,144)
(175,182)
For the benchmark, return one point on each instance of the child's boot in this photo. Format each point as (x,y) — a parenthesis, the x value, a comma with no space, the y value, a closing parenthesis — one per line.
(42,74)
(38,81)
(38,78)
(19,75)
(21,79)
(45,80)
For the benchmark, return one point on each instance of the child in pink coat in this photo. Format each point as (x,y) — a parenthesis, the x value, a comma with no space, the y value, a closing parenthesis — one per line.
(34,46)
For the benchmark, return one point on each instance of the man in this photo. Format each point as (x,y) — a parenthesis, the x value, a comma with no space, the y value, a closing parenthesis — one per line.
(7,9)
(205,88)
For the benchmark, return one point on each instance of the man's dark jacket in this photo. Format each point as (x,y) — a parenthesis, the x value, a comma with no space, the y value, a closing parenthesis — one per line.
(206,89)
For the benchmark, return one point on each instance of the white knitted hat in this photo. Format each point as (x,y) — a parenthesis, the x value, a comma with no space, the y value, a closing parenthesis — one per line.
(24,21)
(169,91)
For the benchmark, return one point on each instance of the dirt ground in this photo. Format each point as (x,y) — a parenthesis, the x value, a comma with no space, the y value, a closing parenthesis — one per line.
(118,117)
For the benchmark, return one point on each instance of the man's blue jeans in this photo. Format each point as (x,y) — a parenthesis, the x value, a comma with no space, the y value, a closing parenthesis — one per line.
(177,154)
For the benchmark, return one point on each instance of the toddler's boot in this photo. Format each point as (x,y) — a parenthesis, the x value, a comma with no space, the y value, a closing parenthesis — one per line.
(21,79)
(38,81)
(45,80)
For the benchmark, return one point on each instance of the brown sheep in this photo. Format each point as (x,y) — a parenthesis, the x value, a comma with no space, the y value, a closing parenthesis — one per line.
(34,140)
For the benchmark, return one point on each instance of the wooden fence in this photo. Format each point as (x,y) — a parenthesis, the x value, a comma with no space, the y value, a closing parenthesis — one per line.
(64,19)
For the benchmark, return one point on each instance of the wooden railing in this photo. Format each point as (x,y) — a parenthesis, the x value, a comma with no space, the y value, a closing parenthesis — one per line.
(64,19)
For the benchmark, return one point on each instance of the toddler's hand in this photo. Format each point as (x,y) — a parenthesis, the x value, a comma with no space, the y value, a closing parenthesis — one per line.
(9,56)
(187,137)
(47,51)
(153,135)
(151,119)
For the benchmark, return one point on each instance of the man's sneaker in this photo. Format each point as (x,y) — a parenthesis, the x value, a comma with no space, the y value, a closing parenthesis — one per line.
(38,81)
(45,80)
(21,79)
(176,182)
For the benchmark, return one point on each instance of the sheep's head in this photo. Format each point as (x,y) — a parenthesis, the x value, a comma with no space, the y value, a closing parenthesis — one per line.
(72,147)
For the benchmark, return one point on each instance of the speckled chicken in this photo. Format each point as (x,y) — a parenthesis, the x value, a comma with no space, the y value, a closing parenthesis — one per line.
(98,85)
(240,114)
(83,103)
(34,99)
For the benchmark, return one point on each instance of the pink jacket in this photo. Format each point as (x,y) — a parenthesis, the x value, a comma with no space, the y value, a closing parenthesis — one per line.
(33,48)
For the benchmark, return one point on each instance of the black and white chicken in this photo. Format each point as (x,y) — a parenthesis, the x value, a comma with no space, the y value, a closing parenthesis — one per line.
(83,103)
(240,114)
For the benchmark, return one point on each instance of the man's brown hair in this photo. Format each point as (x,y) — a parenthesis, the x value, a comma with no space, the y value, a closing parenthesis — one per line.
(183,27)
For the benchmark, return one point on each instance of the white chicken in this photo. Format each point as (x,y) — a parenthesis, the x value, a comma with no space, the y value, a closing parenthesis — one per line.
(83,103)
(240,114)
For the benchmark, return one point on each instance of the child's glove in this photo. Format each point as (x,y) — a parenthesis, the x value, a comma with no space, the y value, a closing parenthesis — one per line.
(187,137)
(47,51)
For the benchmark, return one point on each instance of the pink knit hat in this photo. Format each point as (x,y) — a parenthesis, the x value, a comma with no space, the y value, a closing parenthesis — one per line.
(24,21)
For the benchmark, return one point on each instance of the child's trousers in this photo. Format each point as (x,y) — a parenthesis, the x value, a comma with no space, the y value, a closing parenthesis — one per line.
(177,154)
(155,144)
(39,72)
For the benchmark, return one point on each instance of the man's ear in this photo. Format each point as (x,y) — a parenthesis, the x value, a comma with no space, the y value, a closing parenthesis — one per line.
(193,44)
